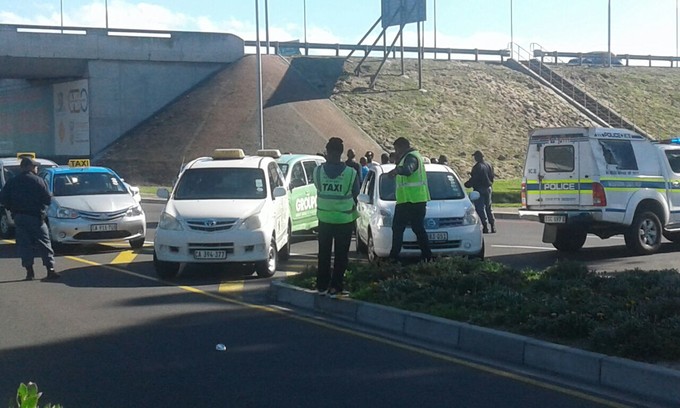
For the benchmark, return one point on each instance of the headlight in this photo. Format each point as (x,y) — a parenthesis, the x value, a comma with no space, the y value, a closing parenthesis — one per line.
(64,212)
(470,217)
(251,223)
(385,219)
(134,211)
(168,222)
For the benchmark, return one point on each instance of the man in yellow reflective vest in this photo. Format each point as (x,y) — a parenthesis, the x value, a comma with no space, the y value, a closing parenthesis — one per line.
(337,188)
(412,196)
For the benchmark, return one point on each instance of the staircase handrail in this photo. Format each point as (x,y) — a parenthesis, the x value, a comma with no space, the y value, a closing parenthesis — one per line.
(536,46)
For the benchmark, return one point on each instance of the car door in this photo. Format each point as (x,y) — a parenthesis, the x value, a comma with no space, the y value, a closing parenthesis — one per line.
(281,209)
(299,196)
(366,210)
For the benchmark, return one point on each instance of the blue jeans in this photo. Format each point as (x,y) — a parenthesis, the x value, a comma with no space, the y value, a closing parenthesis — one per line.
(32,234)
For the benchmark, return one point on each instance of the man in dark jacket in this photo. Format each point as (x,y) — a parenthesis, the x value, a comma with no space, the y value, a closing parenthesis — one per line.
(481,180)
(26,197)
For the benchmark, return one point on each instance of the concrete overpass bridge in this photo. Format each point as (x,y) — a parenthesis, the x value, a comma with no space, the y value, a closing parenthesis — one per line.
(72,91)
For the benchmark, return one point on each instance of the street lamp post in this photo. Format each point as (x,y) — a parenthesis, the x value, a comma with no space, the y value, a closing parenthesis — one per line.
(435,29)
(304,16)
(266,23)
(61,12)
(258,69)
(106,12)
(512,35)
(609,33)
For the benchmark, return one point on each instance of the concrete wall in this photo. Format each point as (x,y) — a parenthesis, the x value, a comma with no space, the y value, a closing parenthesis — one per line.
(132,74)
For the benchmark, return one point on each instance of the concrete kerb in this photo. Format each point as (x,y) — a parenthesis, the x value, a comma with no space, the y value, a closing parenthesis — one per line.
(644,380)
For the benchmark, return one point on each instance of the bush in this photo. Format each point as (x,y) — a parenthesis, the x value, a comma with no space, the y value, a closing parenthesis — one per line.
(632,314)
(28,396)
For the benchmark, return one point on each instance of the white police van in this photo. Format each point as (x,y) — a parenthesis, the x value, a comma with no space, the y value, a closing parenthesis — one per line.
(227,208)
(602,181)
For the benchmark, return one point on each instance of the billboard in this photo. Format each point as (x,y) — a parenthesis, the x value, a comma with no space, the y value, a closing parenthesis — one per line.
(71,118)
(398,12)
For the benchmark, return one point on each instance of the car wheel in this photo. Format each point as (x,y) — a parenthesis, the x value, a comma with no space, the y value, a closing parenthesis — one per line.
(479,255)
(137,243)
(6,231)
(165,270)
(284,253)
(570,239)
(267,269)
(644,234)
(370,250)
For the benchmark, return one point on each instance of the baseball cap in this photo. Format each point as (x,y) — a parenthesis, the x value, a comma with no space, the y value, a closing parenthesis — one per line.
(478,153)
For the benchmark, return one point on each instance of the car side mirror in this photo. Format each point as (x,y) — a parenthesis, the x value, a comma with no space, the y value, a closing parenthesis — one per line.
(364,198)
(280,192)
(474,195)
(163,193)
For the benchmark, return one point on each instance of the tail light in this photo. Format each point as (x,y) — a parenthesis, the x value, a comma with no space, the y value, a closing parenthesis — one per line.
(524,195)
(599,196)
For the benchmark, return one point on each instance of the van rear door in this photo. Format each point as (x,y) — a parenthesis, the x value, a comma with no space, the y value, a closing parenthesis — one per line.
(553,182)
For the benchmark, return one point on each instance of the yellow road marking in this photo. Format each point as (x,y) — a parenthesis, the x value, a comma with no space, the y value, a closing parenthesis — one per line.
(124,257)
(231,287)
(433,354)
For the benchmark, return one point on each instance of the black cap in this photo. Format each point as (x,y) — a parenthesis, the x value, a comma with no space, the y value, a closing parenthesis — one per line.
(477,153)
(28,162)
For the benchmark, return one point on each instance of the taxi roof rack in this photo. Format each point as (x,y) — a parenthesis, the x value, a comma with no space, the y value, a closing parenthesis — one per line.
(231,154)
(275,153)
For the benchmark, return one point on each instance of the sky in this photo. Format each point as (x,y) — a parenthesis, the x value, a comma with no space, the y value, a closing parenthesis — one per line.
(646,27)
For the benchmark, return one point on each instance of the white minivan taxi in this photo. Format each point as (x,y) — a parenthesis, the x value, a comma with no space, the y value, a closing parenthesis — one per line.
(451,222)
(227,208)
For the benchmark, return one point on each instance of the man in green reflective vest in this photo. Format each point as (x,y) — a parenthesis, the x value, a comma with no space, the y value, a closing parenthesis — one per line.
(412,196)
(337,188)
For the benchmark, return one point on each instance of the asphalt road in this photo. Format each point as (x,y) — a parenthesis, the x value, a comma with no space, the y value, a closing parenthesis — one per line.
(110,334)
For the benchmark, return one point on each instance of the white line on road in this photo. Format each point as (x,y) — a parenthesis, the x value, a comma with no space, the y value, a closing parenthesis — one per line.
(524,247)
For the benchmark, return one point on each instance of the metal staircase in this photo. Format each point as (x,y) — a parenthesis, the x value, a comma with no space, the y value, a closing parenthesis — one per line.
(584,102)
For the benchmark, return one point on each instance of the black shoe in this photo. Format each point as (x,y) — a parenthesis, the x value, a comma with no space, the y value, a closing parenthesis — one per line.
(52,275)
(493,229)
(30,275)
(485,230)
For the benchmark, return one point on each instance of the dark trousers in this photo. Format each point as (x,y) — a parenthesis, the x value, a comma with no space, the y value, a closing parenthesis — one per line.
(483,206)
(341,234)
(32,234)
(412,214)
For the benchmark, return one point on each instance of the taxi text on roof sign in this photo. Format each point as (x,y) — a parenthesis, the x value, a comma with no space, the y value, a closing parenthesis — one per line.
(79,162)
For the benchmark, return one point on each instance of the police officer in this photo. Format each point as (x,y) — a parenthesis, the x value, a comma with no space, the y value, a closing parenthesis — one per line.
(26,196)
(337,187)
(412,196)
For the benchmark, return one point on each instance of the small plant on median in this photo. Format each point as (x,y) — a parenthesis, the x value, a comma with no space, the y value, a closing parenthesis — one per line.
(632,314)
(28,396)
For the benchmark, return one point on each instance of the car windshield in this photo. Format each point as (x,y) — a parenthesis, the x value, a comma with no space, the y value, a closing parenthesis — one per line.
(73,184)
(14,170)
(443,186)
(221,184)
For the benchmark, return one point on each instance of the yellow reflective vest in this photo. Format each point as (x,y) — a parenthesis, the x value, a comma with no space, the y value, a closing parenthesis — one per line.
(413,188)
(334,201)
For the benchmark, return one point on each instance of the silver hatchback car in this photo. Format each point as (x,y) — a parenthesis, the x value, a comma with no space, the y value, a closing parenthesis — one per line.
(92,204)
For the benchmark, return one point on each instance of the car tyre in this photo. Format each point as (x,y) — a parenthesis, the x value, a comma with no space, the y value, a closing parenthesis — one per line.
(165,270)
(570,239)
(370,250)
(6,230)
(284,253)
(644,234)
(480,254)
(137,242)
(267,269)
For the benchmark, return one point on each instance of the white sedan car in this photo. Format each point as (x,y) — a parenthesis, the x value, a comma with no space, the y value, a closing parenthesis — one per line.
(451,222)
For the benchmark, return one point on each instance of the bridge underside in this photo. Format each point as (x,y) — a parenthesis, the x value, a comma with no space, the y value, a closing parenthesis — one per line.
(41,68)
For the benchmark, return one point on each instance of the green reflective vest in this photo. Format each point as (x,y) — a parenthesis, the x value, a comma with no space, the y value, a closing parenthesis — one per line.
(413,188)
(334,201)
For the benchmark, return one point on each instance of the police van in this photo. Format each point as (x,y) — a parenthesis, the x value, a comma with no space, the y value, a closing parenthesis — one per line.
(297,172)
(602,181)
(226,208)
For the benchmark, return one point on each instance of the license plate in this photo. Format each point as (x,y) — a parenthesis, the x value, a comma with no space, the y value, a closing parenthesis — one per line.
(438,236)
(555,219)
(103,227)
(210,254)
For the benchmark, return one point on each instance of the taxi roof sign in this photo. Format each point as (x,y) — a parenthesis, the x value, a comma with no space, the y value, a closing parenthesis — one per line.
(26,154)
(79,162)
(275,153)
(228,154)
